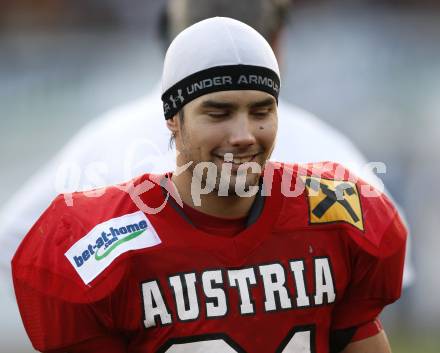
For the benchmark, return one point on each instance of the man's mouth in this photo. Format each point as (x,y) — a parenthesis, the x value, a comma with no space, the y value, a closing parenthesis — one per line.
(229,157)
(237,160)
(244,159)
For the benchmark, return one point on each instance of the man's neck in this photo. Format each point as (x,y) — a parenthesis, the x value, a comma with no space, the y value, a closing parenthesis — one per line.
(212,204)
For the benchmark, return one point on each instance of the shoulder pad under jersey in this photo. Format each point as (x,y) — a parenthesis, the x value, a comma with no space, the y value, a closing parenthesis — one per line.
(75,250)
(327,195)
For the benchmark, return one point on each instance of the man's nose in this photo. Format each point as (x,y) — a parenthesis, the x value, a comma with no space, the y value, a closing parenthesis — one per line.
(241,131)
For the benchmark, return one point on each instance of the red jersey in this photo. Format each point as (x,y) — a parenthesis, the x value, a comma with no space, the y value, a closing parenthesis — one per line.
(326,258)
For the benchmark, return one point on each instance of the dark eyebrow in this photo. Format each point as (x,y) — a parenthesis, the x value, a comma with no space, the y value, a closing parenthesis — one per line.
(218,105)
(226,105)
(263,103)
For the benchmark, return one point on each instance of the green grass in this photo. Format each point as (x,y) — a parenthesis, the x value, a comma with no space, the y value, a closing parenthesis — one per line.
(407,342)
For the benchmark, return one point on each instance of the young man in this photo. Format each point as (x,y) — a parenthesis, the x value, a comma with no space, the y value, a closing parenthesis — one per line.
(93,162)
(230,253)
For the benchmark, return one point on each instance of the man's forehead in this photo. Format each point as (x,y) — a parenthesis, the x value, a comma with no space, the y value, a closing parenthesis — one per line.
(236,97)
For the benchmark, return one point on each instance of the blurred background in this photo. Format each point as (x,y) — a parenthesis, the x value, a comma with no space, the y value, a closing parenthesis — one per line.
(370,68)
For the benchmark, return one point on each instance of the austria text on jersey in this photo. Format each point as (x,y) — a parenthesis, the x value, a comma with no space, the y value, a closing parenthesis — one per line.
(216,285)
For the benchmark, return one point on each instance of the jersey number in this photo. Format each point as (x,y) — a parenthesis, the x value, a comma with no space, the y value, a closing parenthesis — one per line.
(299,340)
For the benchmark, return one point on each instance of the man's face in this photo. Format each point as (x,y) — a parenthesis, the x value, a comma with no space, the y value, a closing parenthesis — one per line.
(242,123)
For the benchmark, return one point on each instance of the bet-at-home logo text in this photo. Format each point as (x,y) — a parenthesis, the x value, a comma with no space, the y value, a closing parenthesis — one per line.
(93,253)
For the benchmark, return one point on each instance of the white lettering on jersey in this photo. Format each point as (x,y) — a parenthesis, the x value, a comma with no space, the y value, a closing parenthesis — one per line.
(208,346)
(324,286)
(212,290)
(185,294)
(243,279)
(216,304)
(154,305)
(275,291)
(297,268)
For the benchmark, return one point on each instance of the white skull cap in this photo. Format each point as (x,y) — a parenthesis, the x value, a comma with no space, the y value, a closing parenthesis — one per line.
(217,54)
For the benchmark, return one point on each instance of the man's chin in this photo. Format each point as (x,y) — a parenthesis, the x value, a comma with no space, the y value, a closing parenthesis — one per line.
(242,185)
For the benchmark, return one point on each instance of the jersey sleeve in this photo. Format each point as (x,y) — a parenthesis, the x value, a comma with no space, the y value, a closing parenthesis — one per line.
(367,330)
(57,309)
(57,325)
(340,339)
(376,257)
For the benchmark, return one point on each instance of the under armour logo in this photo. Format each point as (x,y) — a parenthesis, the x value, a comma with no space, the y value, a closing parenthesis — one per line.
(332,197)
(179,97)
(166,108)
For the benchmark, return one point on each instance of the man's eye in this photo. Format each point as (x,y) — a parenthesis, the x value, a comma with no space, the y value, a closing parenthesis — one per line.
(261,112)
(218,114)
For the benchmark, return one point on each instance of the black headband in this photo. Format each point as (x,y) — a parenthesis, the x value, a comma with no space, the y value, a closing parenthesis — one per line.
(219,78)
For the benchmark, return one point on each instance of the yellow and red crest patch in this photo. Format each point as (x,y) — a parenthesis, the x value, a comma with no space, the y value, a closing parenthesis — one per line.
(333,201)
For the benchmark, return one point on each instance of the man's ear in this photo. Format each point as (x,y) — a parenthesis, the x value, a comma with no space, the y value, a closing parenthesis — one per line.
(173,124)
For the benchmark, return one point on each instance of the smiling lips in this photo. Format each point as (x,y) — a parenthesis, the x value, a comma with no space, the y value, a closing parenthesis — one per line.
(237,160)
